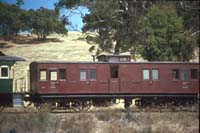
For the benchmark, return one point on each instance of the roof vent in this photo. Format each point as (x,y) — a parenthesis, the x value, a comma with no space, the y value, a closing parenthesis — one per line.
(114,58)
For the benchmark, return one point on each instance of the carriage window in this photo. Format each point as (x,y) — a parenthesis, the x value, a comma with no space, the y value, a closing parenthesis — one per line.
(83,75)
(185,74)
(62,73)
(43,74)
(146,74)
(4,72)
(194,73)
(175,74)
(53,75)
(92,74)
(114,71)
(123,59)
(155,74)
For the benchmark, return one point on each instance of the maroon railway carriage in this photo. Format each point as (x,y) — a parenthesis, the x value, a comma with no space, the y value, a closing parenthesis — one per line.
(126,80)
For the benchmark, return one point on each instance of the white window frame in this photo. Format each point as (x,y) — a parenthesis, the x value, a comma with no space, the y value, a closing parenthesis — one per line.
(53,75)
(146,74)
(83,74)
(4,77)
(43,76)
(155,76)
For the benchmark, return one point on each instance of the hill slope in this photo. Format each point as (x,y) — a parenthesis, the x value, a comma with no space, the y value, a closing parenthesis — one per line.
(65,48)
(58,48)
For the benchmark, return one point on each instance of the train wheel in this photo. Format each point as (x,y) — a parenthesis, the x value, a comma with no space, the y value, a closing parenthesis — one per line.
(79,106)
(127,103)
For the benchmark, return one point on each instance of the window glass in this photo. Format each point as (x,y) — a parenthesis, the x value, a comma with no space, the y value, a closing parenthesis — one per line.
(43,75)
(53,75)
(113,59)
(114,71)
(83,74)
(123,59)
(92,74)
(194,73)
(155,74)
(146,74)
(62,73)
(185,74)
(4,71)
(175,74)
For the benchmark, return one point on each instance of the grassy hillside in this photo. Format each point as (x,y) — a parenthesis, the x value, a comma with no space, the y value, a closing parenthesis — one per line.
(56,48)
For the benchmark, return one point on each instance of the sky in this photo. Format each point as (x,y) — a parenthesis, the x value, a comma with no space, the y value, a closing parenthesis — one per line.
(75,19)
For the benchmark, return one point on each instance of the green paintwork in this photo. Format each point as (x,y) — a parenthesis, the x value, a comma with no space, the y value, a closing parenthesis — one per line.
(6,85)
(7,63)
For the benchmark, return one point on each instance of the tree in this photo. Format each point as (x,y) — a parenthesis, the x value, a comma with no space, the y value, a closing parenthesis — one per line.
(41,22)
(165,39)
(189,11)
(116,26)
(44,22)
(102,21)
(114,22)
(183,47)
(12,20)
(19,2)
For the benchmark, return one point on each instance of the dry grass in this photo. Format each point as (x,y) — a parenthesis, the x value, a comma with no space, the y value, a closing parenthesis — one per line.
(36,122)
(129,122)
(78,123)
(101,122)
(56,47)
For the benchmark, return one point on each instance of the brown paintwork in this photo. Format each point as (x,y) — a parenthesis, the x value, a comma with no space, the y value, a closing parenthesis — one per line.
(129,81)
